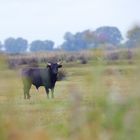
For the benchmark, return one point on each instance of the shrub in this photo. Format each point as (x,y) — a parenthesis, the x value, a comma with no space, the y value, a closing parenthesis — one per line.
(61,75)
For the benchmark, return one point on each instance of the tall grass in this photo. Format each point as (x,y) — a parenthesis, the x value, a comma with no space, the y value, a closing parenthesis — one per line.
(97,100)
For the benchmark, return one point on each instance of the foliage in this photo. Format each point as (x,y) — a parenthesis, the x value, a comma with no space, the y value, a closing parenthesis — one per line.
(61,75)
(39,45)
(107,34)
(73,42)
(133,36)
(13,45)
(1,45)
(90,39)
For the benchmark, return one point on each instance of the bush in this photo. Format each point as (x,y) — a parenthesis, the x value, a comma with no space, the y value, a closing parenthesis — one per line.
(61,75)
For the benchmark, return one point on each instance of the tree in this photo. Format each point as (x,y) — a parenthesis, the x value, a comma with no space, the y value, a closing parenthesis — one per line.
(133,36)
(107,34)
(13,45)
(69,36)
(39,45)
(1,46)
(73,42)
(49,45)
(90,39)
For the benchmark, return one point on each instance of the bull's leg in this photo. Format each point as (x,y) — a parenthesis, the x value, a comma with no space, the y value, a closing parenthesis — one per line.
(28,94)
(47,92)
(26,91)
(27,85)
(52,91)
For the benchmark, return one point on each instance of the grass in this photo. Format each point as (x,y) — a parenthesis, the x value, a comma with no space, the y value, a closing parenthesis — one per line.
(97,101)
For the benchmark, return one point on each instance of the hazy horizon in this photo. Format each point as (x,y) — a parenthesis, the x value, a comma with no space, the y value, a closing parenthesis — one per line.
(50,19)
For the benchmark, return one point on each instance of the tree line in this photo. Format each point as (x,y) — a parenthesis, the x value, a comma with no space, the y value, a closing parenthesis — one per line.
(88,39)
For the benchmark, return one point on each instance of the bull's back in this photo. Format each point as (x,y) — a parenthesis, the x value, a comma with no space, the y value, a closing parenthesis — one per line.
(36,76)
(25,72)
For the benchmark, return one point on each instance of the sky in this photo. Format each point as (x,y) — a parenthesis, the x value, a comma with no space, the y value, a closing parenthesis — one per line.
(51,19)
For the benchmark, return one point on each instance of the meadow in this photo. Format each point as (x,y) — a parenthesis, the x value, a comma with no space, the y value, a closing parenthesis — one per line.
(97,100)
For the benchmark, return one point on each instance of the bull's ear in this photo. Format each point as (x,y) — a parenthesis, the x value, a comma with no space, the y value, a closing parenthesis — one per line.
(48,64)
(59,66)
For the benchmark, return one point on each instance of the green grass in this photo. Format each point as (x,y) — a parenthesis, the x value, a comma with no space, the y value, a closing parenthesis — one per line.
(95,101)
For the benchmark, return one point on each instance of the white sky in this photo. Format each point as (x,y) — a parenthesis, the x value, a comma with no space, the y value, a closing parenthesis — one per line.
(50,19)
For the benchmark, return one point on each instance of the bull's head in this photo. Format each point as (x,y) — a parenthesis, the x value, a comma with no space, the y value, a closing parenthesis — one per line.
(54,67)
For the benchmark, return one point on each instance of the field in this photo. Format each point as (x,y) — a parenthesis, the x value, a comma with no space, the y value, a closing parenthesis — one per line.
(96,101)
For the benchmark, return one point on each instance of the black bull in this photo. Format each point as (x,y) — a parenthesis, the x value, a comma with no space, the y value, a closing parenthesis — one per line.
(46,77)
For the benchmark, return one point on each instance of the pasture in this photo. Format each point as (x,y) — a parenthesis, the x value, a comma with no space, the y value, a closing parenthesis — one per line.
(97,100)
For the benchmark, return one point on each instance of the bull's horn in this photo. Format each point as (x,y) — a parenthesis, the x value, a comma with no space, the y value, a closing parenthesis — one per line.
(59,63)
(49,64)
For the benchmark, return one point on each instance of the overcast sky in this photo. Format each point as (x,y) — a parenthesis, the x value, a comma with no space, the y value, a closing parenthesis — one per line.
(50,19)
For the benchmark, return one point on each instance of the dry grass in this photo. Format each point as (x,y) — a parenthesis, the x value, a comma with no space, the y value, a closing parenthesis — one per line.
(97,101)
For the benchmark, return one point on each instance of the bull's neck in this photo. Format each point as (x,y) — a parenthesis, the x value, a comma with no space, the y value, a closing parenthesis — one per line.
(53,78)
(52,75)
